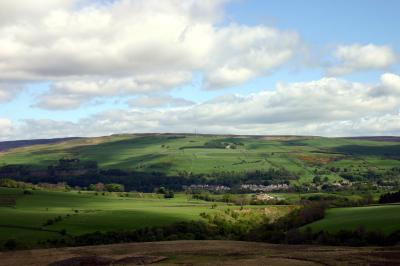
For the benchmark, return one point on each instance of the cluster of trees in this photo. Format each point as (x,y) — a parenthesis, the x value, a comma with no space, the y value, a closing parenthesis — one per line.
(111,187)
(10,183)
(390,197)
(99,187)
(341,201)
(371,175)
(237,199)
(168,194)
(53,221)
(261,177)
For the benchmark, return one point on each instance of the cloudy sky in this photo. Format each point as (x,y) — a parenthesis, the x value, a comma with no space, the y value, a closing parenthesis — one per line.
(98,67)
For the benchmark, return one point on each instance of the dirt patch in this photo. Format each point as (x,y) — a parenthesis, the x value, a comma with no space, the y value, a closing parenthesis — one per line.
(106,261)
(314,160)
(387,254)
(139,260)
(84,261)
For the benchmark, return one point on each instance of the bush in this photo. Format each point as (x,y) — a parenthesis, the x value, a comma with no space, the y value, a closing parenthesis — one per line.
(390,197)
(114,187)
(28,192)
(169,194)
(10,244)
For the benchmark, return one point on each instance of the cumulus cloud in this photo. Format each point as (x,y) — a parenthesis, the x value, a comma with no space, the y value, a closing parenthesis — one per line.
(6,129)
(125,39)
(141,50)
(21,10)
(357,57)
(329,106)
(150,101)
(71,94)
(389,87)
(391,81)
(242,53)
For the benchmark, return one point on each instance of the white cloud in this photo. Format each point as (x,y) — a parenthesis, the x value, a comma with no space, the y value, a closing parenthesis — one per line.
(128,39)
(71,94)
(21,10)
(143,49)
(389,87)
(357,57)
(6,129)
(391,81)
(242,53)
(329,106)
(150,101)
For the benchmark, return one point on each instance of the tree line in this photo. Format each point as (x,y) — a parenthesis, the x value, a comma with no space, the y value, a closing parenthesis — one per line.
(74,172)
(390,197)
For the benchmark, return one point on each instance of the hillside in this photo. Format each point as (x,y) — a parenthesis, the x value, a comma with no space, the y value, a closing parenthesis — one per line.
(183,154)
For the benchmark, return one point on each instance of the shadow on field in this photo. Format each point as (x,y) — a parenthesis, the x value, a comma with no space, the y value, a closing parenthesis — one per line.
(388,150)
(141,162)
(121,152)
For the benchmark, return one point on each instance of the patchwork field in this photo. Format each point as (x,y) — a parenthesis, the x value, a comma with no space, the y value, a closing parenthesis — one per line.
(380,217)
(208,154)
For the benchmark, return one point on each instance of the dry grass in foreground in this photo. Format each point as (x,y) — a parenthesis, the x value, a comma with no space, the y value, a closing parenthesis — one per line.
(204,253)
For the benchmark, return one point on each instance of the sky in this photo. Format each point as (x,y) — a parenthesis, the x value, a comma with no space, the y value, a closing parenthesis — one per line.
(101,67)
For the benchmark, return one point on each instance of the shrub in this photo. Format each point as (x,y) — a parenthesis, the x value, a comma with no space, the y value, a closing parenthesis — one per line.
(169,194)
(28,192)
(390,197)
(10,244)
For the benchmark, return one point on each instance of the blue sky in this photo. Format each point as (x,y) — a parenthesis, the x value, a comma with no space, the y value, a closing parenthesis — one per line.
(244,67)
(324,22)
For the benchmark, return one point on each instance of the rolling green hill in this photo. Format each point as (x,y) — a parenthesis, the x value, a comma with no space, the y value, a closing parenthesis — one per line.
(208,154)
(380,217)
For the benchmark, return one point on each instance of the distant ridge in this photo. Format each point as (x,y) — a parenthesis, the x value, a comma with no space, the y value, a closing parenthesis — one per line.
(6,145)
(377,138)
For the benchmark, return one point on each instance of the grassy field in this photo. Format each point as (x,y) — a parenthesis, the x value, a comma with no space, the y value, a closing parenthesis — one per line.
(379,217)
(88,212)
(208,154)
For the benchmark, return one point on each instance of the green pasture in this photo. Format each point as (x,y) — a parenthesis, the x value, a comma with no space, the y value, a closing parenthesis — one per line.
(378,217)
(87,212)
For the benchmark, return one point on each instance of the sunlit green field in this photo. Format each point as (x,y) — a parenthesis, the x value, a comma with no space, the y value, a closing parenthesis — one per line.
(190,153)
(380,217)
(87,212)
